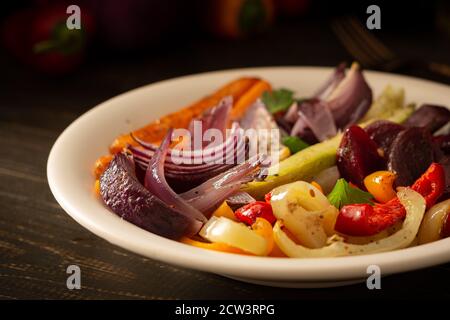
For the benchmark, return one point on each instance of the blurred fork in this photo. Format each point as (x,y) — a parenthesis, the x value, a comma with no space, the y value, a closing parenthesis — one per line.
(371,52)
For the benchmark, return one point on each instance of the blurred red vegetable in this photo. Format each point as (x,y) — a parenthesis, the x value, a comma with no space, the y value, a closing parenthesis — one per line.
(40,38)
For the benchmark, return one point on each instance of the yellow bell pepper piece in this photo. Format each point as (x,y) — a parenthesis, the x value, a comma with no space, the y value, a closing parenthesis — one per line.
(224,211)
(264,229)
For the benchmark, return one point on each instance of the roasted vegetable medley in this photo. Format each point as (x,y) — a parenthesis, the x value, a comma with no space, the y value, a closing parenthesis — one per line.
(345,173)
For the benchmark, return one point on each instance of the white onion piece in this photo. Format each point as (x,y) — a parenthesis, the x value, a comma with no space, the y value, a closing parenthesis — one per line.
(302,208)
(414,204)
(430,229)
(235,234)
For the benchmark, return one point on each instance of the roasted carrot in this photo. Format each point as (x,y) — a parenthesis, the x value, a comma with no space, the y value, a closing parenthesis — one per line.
(248,98)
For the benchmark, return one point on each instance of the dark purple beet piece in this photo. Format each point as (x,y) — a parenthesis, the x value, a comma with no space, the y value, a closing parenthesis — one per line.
(429,116)
(357,156)
(410,155)
(384,132)
(126,196)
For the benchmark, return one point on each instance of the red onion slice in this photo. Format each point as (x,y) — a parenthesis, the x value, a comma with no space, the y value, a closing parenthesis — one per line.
(317,116)
(213,192)
(186,157)
(351,99)
(216,117)
(332,82)
(156,183)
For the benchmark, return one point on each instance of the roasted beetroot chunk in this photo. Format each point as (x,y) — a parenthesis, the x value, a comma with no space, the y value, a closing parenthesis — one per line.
(410,155)
(383,133)
(126,196)
(429,116)
(357,156)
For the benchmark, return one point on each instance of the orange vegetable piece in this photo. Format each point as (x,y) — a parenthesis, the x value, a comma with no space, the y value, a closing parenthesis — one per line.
(101,164)
(97,187)
(380,185)
(248,98)
(216,246)
(264,229)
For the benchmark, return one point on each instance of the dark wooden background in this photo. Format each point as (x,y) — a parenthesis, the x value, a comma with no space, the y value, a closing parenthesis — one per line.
(38,240)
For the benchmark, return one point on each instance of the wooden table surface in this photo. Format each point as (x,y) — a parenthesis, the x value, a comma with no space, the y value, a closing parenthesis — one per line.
(38,240)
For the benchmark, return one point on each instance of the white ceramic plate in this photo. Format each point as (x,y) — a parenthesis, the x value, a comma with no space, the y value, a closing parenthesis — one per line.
(69,171)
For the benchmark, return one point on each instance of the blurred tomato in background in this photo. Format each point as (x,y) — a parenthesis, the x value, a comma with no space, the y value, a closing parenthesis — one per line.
(38,37)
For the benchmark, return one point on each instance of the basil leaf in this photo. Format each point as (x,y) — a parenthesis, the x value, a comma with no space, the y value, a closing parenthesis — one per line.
(343,194)
(278,100)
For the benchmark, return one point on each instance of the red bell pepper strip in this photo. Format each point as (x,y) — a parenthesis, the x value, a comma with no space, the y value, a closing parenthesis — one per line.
(431,185)
(257,209)
(367,220)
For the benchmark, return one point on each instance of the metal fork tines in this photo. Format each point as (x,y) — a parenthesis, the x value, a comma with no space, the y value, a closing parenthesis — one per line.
(371,52)
(361,44)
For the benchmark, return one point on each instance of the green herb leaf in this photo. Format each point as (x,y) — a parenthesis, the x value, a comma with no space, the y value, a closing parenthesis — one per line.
(343,193)
(278,100)
(295,144)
